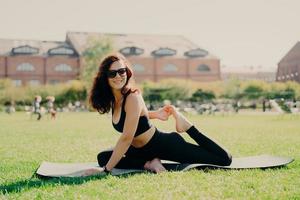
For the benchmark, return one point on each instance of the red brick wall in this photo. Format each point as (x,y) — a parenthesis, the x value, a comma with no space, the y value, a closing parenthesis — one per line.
(147,63)
(288,67)
(2,66)
(212,75)
(53,61)
(25,76)
(43,68)
(186,68)
(154,68)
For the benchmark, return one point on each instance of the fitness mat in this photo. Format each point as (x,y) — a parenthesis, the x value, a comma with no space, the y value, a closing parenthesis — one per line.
(50,169)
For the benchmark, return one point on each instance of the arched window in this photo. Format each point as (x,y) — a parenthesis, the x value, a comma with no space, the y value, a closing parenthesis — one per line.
(63,68)
(170,68)
(54,82)
(26,49)
(138,67)
(132,51)
(164,52)
(34,82)
(17,82)
(196,53)
(61,51)
(203,68)
(25,67)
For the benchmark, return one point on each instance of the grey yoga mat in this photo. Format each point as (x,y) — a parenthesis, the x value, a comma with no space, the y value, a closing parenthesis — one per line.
(50,169)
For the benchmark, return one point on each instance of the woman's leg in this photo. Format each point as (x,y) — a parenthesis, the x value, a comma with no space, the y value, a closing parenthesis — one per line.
(183,125)
(131,160)
(174,147)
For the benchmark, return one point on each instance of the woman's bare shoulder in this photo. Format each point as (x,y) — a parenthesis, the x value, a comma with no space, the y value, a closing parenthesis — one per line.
(134,97)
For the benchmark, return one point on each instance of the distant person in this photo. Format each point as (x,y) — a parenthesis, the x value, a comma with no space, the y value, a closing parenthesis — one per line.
(37,106)
(264,105)
(237,106)
(141,145)
(50,106)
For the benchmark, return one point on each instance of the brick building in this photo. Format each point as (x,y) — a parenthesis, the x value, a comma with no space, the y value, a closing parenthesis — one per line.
(153,57)
(28,62)
(289,66)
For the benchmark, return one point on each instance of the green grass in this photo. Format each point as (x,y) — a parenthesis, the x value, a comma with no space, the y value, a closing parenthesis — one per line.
(78,137)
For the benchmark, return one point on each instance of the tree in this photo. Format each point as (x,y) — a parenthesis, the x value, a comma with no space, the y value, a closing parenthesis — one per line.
(201,96)
(253,92)
(97,49)
(232,89)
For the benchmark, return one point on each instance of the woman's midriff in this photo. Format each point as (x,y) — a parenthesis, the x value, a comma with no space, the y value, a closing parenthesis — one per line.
(144,138)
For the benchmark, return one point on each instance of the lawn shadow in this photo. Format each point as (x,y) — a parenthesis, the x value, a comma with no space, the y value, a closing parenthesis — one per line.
(37,182)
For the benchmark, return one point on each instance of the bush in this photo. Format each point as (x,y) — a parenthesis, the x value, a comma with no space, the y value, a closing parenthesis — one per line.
(253,92)
(63,93)
(202,96)
(165,90)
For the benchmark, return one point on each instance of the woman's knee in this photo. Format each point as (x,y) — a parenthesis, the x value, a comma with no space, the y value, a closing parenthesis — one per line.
(103,157)
(227,159)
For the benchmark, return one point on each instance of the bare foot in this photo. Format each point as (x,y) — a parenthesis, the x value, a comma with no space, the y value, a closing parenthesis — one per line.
(182,123)
(90,172)
(154,166)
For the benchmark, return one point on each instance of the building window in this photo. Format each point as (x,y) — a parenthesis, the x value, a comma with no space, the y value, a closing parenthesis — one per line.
(164,52)
(61,51)
(54,82)
(203,68)
(34,82)
(25,50)
(27,67)
(63,68)
(132,51)
(17,82)
(170,68)
(196,53)
(138,68)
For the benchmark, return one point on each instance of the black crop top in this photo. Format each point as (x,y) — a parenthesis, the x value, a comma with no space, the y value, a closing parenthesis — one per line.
(143,124)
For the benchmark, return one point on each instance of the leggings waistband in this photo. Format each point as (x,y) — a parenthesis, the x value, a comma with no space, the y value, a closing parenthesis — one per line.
(153,141)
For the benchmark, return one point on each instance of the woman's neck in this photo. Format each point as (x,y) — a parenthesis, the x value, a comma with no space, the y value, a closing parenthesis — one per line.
(117,95)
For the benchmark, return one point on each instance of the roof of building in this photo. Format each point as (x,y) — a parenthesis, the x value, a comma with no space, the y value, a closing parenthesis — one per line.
(294,52)
(146,42)
(8,46)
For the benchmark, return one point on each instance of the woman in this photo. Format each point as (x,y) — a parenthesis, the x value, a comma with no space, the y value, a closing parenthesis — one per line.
(141,145)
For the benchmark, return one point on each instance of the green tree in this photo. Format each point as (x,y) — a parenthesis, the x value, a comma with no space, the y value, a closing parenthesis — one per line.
(201,96)
(97,49)
(232,89)
(253,92)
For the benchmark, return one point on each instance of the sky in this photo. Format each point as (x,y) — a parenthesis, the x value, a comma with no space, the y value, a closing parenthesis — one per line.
(239,32)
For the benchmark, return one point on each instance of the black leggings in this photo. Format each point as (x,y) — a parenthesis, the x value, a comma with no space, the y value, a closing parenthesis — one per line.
(172,146)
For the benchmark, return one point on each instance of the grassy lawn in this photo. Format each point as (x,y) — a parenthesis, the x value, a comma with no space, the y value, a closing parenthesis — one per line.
(78,137)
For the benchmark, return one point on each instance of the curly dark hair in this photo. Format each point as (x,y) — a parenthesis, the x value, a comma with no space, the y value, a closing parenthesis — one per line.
(101,96)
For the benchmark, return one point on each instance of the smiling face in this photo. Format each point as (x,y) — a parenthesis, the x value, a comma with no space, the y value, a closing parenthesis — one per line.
(120,78)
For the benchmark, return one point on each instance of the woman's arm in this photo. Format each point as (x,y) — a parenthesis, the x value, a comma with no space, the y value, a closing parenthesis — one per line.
(133,109)
(152,114)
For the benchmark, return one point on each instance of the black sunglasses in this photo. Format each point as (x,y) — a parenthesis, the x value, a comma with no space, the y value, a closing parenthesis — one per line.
(113,73)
